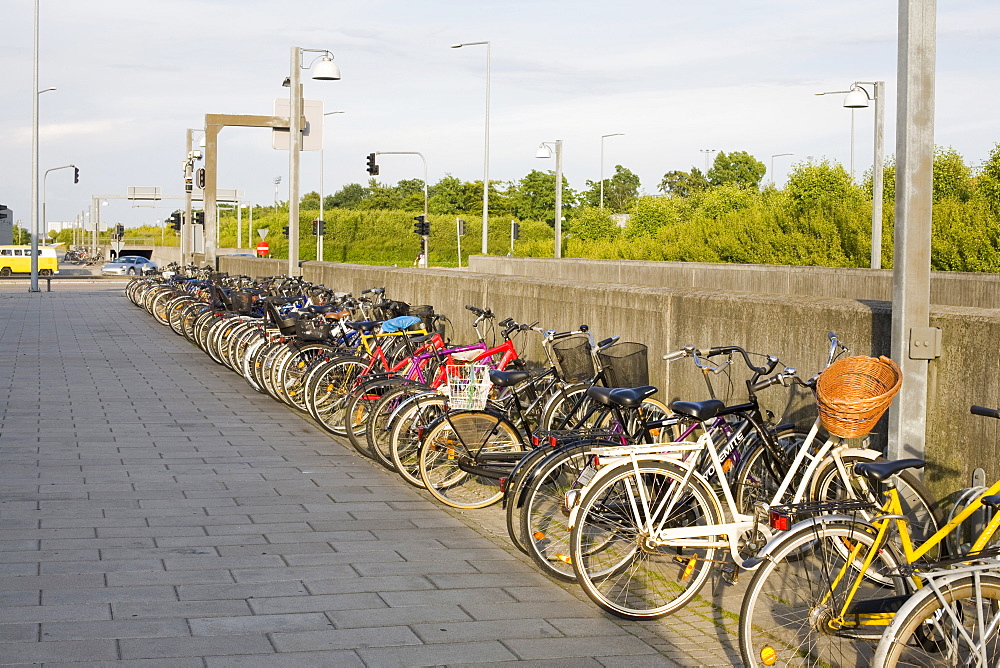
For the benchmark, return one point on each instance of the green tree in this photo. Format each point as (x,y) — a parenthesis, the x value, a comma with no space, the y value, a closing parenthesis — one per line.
(310,201)
(592,223)
(683,184)
(534,196)
(952,177)
(738,168)
(619,191)
(815,184)
(451,195)
(348,197)
(988,183)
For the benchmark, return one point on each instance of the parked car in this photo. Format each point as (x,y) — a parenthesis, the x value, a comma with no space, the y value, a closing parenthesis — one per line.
(129,265)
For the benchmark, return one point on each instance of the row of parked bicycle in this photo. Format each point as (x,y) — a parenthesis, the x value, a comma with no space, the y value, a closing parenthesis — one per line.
(852,560)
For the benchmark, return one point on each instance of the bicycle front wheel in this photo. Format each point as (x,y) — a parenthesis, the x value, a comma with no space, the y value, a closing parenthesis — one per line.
(960,626)
(614,549)
(462,458)
(799,610)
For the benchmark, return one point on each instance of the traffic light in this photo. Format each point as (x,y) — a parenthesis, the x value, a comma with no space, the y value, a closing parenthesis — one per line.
(315,227)
(76,175)
(201,177)
(119,231)
(321,227)
(461,227)
(422,226)
(175,221)
(199,217)
(515,230)
(284,230)
(372,167)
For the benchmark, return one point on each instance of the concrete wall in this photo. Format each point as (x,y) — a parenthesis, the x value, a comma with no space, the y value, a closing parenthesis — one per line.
(948,288)
(664,318)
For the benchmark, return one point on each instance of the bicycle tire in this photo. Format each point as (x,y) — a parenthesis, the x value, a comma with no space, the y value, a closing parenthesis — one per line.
(377,434)
(513,492)
(758,475)
(792,601)
(618,568)
(406,427)
(571,408)
(923,633)
(452,456)
(329,396)
(358,412)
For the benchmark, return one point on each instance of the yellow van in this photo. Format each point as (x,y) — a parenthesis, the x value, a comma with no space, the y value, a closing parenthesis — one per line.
(17,260)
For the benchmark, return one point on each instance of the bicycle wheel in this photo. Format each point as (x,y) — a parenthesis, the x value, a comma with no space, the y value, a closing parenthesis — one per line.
(620,566)
(329,395)
(958,627)
(294,368)
(406,427)
(460,455)
(543,518)
(571,408)
(376,428)
(919,505)
(793,610)
(360,402)
(513,494)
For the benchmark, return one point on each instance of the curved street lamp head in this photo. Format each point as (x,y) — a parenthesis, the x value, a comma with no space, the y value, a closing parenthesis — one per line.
(326,70)
(457,46)
(543,151)
(857,98)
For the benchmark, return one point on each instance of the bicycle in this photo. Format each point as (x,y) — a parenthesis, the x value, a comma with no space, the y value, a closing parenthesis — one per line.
(647,527)
(831,582)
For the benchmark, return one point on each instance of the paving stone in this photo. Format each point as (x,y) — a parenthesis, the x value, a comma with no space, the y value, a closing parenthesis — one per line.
(437,655)
(71,650)
(345,639)
(318,603)
(114,629)
(156,648)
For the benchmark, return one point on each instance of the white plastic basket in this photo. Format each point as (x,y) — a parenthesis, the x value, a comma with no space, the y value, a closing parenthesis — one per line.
(468,386)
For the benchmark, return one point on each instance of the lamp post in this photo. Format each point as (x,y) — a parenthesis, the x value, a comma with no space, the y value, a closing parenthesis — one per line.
(34,157)
(545,150)
(603,137)
(45,220)
(326,70)
(776,155)
(857,98)
(187,229)
(423,262)
(708,153)
(486,147)
(322,189)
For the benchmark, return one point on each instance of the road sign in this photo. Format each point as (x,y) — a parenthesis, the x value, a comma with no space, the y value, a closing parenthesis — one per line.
(262,232)
(262,248)
(117,246)
(312,133)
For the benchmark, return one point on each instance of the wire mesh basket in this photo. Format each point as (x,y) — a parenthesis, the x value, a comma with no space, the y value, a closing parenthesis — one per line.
(853,393)
(624,365)
(573,358)
(468,386)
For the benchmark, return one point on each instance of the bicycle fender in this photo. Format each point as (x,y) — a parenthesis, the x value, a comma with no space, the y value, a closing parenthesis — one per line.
(799,528)
(607,471)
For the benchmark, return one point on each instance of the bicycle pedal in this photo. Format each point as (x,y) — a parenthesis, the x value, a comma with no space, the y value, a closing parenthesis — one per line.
(731,573)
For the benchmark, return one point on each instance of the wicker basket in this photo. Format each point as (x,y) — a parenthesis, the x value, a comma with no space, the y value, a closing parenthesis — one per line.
(853,393)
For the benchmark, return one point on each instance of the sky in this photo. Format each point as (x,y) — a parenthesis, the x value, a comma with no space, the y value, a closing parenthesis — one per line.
(677,78)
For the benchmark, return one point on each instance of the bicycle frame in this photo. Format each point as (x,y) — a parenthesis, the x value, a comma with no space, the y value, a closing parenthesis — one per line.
(706,536)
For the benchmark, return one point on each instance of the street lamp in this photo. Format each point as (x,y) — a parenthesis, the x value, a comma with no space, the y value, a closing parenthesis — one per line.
(857,98)
(322,187)
(776,155)
(186,231)
(34,158)
(325,70)
(423,262)
(545,150)
(603,137)
(486,148)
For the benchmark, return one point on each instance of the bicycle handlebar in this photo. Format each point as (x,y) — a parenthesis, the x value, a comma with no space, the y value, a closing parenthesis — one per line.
(985,412)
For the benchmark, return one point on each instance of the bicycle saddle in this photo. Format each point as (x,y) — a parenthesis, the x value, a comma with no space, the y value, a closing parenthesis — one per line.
(626,397)
(879,471)
(699,410)
(508,378)
(366,326)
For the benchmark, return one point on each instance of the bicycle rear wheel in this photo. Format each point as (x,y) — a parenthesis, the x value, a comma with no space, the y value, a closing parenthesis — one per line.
(463,455)
(620,566)
(406,426)
(958,627)
(792,609)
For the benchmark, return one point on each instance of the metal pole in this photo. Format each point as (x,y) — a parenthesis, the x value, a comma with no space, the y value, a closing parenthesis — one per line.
(486,160)
(877,169)
(34,161)
(239,225)
(458,237)
(186,220)
(559,146)
(911,260)
(852,145)
(209,194)
(294,148)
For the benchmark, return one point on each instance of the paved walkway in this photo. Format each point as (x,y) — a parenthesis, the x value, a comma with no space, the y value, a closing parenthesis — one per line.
(156,511)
